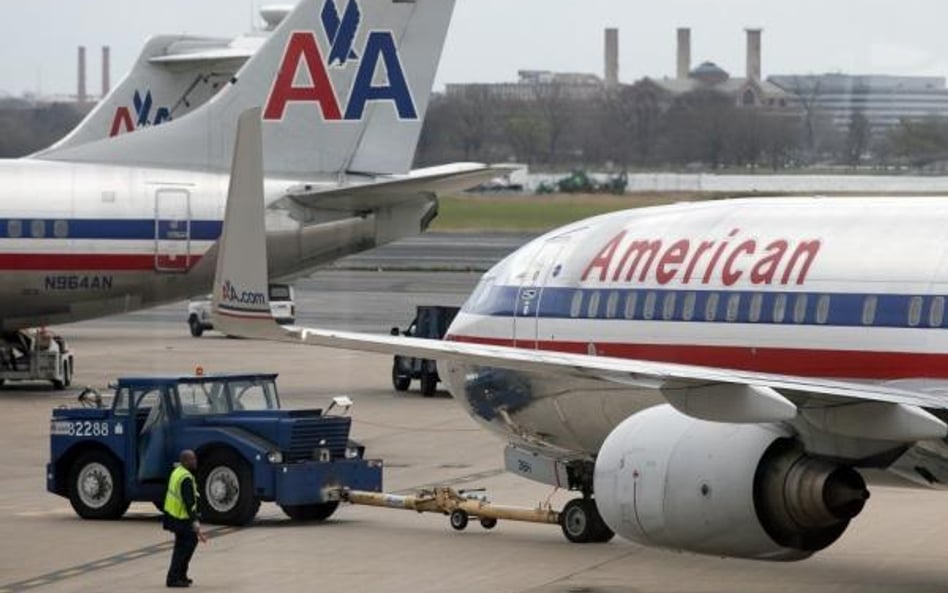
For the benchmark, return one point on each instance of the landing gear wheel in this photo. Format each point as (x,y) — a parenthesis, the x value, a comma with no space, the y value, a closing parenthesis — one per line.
(225,483)
(582,524)
(399,382)
(429,383)
(459,519)
(488,522)
(96,487)
(310,512)
(196,328)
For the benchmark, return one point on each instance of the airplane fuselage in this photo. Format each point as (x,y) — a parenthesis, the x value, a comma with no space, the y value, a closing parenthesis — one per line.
(79,241)
(831,288)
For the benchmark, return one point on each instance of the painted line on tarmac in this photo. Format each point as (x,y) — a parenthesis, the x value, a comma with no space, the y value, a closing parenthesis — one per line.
(132,555)
(100,564)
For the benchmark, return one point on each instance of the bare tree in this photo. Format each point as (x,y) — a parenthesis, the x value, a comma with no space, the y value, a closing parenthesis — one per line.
(858,138)
(697,128)
(552,104)
(527,133)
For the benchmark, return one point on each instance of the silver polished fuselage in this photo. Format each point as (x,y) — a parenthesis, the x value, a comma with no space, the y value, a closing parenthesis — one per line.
(79,241)
(830,289)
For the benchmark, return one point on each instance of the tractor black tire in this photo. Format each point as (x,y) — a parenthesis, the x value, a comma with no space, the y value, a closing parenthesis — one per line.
(225,486)
(582,524)
(97,487)
(488,522)
(197,330)
(306,513)
(459,519)
(429,383)
(66,381)
(399,382)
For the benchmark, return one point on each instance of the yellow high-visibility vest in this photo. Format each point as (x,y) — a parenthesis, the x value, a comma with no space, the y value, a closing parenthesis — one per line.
(174,504)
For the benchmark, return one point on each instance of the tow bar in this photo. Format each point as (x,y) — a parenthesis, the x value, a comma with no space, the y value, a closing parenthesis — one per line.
(459,505)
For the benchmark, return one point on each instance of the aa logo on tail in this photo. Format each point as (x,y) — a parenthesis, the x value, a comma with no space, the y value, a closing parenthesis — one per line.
(123,122)
(377,54)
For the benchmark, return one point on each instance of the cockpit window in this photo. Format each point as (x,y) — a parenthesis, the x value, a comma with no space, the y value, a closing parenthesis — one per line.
(479,299)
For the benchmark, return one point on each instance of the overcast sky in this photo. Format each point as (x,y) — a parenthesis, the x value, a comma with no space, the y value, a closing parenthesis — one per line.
(490,40)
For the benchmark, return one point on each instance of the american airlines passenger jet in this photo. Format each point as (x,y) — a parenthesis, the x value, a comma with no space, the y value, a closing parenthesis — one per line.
(108,221)
(721,377)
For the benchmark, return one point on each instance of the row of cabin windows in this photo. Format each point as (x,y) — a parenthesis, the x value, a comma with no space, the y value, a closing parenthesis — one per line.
(36,228)
(783,305)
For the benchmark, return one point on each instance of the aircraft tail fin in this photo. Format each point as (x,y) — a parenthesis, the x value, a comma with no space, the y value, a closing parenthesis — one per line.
(344,86)
(155,92)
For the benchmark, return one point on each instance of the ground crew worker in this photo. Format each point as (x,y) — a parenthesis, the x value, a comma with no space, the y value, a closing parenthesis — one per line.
(181,518)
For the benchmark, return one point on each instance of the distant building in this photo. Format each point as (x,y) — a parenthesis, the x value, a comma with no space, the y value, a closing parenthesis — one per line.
(745,92)
(883,100)
(750,91)
(533,84)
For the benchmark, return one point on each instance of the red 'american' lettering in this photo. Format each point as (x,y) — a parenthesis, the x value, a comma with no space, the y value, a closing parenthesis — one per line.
(726,261)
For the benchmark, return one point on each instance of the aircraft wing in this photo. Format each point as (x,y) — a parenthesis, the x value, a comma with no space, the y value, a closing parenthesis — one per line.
(708,393)
(420,183)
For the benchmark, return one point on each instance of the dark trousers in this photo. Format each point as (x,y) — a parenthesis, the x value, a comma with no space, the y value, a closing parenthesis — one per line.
(185,541)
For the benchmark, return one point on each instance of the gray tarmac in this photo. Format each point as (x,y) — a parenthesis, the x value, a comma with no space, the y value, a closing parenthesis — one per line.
(439,251)
(897,544)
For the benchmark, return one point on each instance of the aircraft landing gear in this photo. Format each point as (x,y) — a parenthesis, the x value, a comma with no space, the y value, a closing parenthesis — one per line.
(582,524)
(580,519)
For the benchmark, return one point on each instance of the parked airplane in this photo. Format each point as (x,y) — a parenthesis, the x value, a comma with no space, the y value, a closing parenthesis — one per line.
(98,225)
(718,377)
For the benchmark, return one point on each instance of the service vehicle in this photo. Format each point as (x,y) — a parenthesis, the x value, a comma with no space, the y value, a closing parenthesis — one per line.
(282,307)
(249,450)
(431,322)
(36,355)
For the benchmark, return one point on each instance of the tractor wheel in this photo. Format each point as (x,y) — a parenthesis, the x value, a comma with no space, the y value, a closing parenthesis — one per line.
(197,330)
(310,512)
(399,381)
(459,519)
(225,484)
(66,381)
(96,487)
(429,383)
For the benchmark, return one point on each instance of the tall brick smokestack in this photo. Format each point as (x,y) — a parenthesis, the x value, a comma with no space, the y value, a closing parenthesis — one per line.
(81,95)
(684,53)
(753,53)
(612,58)
(106,70)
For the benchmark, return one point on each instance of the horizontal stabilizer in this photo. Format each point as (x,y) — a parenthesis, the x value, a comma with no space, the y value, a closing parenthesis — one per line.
(420,183)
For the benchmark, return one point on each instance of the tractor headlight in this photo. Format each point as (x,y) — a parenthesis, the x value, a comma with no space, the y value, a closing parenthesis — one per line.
(275,457)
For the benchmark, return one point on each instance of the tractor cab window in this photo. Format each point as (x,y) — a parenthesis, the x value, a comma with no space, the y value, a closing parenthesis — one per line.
(147,400)
(151,421)
(121,404)
(202,399)
(254,395)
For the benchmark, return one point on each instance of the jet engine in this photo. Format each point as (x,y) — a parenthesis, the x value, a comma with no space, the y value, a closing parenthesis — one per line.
(744,490)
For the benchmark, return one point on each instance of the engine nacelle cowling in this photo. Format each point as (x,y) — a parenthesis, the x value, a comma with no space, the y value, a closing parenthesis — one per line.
(743,490)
